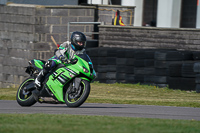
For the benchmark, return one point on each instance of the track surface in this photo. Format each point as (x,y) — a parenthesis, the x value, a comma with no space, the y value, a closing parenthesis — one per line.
(123,110)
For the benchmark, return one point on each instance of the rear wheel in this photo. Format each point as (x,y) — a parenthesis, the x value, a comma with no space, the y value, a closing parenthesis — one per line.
(25,98)
(77,98)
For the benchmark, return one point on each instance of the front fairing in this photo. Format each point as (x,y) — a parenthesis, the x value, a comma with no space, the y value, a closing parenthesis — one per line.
(84,62)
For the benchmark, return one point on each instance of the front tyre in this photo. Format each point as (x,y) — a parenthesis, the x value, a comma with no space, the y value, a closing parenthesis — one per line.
(25,98)
(77,98)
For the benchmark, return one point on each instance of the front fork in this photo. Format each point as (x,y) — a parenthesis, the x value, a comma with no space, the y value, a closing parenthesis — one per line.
(74,91)
(75,85)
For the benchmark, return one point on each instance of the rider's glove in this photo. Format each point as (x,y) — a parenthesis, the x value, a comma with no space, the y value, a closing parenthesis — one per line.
(73,61)
(63,59)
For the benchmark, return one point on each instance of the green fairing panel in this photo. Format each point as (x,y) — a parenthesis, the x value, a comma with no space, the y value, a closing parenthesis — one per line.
(38,63)
(55,85)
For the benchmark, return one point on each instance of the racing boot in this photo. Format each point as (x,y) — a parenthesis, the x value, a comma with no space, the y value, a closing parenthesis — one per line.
(39,79)
(38,85)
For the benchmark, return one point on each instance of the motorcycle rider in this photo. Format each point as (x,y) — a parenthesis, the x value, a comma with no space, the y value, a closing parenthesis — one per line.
(65,53)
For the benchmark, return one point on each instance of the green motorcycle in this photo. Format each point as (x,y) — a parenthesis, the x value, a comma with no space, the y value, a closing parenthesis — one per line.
(67,83)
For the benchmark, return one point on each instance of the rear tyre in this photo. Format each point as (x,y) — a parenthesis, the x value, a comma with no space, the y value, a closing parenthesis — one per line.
(25,98)
(77,98)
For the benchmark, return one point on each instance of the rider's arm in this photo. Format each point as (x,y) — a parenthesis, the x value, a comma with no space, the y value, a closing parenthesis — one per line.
(61,50)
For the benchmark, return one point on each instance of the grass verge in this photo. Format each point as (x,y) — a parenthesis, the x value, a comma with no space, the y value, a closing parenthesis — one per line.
(130,94)
(43,123)
(142,94)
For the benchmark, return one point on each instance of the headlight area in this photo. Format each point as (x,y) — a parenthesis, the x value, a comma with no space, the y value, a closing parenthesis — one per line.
(85,70)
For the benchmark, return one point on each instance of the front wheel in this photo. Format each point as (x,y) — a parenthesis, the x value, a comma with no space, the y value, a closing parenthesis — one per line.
(77,98)
(25,98)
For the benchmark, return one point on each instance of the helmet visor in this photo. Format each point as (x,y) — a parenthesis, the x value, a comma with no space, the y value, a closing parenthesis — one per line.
(82,44)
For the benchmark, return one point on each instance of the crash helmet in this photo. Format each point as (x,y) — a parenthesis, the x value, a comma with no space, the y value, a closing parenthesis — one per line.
(77,38)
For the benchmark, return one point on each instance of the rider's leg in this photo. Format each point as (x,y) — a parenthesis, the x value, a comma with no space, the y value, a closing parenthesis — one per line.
(40,78)
(51,63)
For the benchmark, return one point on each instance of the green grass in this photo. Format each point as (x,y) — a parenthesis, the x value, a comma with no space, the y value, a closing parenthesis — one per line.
(130,94)
(8,93)
(142,94)
(48,123)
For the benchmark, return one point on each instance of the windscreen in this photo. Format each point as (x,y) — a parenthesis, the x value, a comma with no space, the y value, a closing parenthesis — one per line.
(86,58)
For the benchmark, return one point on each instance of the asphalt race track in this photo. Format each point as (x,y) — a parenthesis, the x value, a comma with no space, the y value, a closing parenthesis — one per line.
(121,110)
